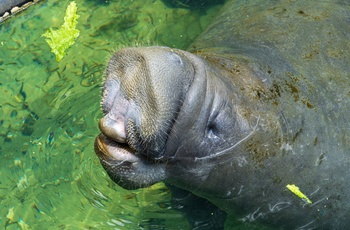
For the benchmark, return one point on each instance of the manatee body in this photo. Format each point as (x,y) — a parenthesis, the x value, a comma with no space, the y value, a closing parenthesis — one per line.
(259,101)
(7,5)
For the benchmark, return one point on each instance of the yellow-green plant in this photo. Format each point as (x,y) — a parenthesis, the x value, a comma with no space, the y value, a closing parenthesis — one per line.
(60,40)
(294,189)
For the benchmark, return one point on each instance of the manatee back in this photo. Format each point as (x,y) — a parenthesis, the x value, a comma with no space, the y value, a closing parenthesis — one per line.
(308,37)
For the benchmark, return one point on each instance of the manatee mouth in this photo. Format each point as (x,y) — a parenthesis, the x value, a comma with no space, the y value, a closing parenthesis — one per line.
(108,149)
(111,151)
(125,166)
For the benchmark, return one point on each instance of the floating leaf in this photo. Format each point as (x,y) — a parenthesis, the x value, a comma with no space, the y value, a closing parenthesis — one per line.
(60,40)
(294,189)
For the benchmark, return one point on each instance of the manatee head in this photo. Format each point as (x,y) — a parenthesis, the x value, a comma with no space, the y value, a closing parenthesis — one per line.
(173,116)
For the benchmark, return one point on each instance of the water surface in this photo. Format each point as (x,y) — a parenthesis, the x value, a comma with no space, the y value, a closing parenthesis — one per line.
(50,177)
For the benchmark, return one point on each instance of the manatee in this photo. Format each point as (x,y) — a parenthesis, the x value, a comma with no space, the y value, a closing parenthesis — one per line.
(259,101)
(7,5)
(191,4)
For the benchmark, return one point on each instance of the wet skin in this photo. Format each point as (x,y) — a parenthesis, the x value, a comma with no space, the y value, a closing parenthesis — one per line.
(259,101)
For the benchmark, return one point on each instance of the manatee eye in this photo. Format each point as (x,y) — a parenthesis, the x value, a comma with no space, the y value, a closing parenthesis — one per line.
(213,132)
(219,124)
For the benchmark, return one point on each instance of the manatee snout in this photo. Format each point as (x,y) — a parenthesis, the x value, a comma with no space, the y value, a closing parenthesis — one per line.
(141,97)
(113,124)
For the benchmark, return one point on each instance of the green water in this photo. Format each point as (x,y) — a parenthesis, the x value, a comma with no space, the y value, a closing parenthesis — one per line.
(50,177)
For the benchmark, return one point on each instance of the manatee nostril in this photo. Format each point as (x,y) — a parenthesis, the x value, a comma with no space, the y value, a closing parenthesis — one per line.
(114,129)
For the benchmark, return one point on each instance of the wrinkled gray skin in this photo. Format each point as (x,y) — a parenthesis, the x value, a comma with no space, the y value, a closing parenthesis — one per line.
(261,100)
(7,5)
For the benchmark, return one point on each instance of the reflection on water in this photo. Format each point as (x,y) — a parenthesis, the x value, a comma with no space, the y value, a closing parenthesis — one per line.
(50,176)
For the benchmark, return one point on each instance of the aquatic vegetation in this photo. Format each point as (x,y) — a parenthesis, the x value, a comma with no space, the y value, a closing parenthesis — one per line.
(294,189)
(60,40)
(48,117)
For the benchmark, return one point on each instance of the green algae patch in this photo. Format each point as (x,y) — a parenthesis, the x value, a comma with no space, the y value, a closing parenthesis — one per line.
(60,40)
